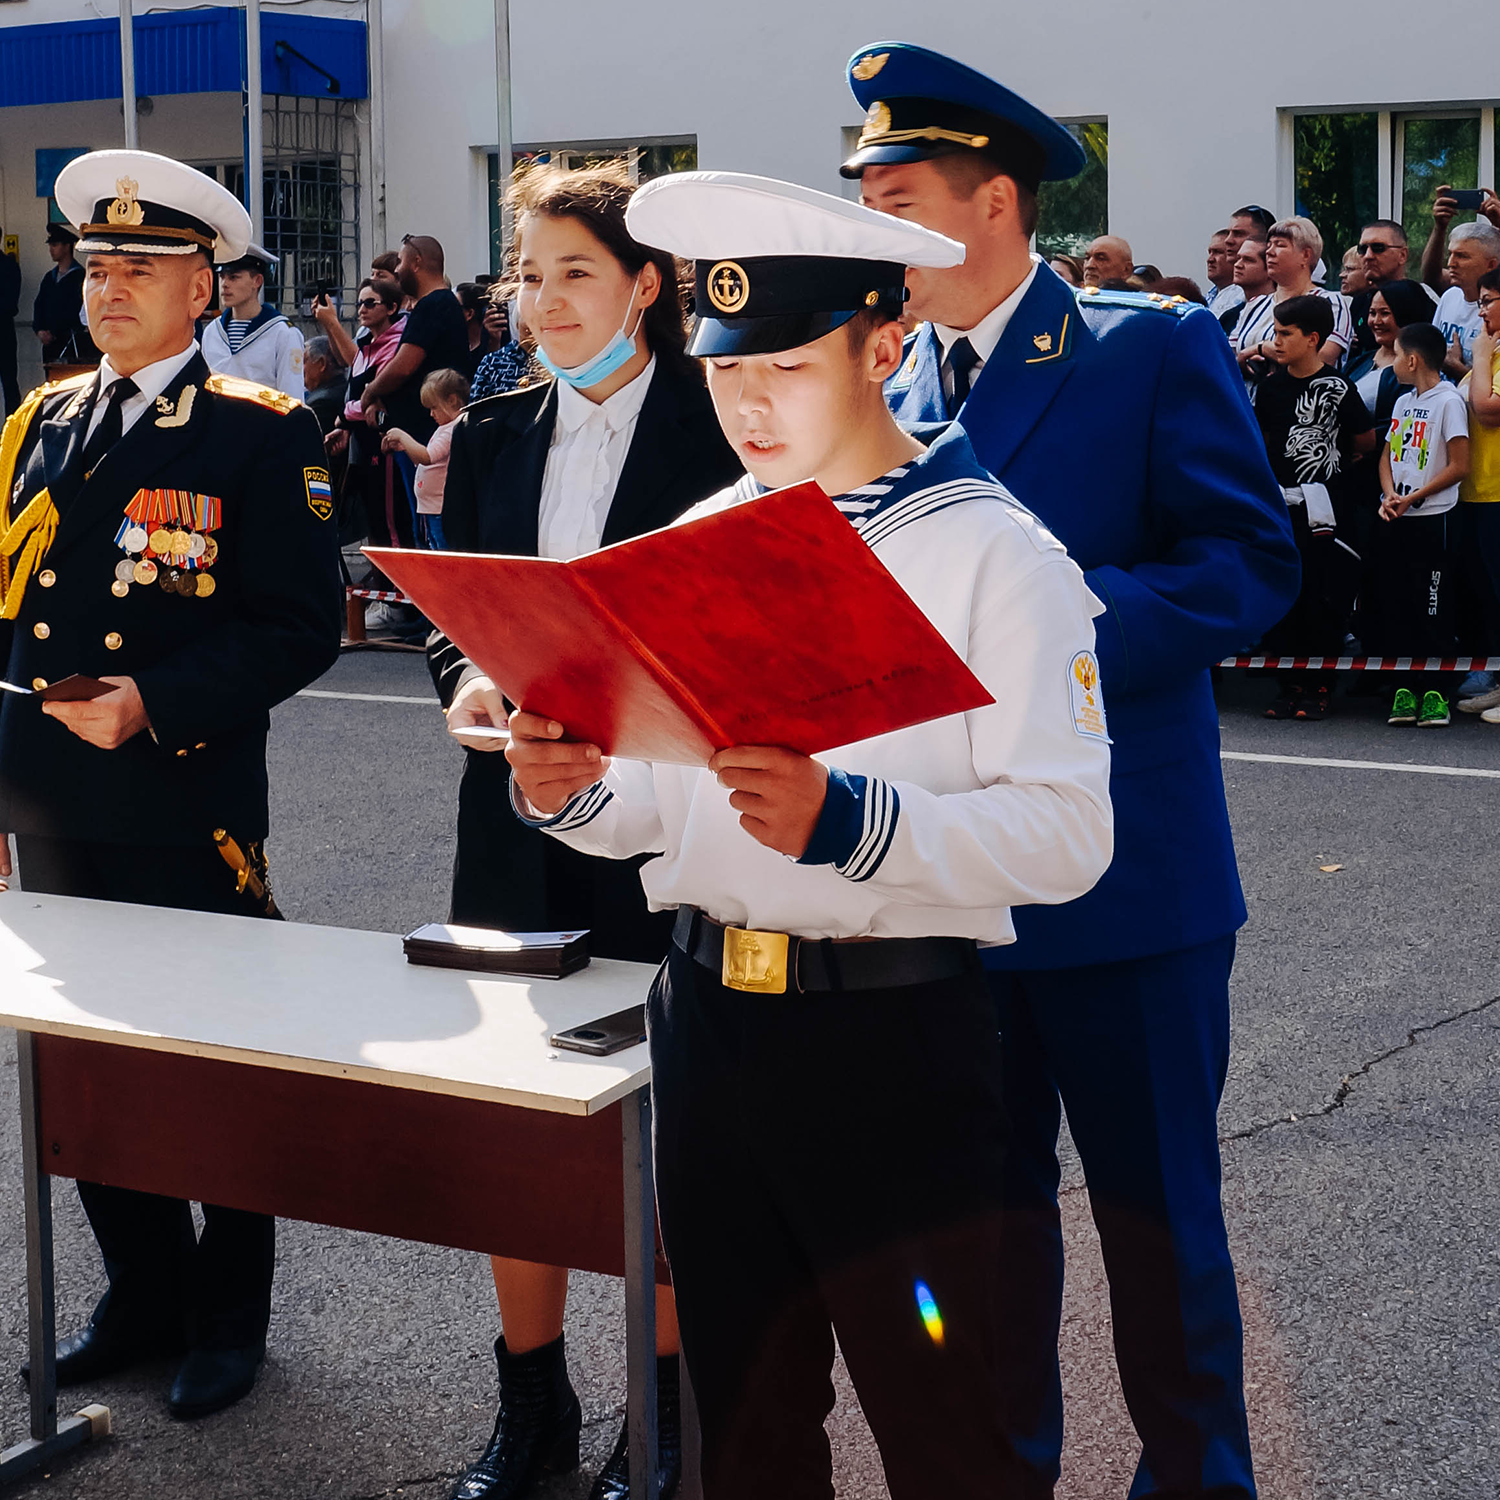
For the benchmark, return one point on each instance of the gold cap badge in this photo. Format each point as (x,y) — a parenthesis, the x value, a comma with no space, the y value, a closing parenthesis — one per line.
(728,287)
(877,120)
(126,209)
(869,65)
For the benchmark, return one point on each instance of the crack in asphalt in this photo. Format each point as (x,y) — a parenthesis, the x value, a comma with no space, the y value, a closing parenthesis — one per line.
(442,1475)
(1346,1084)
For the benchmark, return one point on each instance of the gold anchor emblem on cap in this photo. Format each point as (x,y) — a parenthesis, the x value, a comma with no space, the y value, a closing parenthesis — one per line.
(728,287)
(1043,341)
(126,209)
(869,65)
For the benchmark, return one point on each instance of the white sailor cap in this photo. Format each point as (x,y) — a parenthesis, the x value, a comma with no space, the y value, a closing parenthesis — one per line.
(139,203)
(779,265)
(256,258)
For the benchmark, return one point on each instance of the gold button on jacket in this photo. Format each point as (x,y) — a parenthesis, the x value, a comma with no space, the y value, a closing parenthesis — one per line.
(114,640)
(41,630)
(46,578)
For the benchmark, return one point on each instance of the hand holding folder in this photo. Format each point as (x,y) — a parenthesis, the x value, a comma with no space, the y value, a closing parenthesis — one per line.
(768,623)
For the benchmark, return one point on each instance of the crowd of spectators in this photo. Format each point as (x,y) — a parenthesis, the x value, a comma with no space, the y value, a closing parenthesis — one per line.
(1384,434)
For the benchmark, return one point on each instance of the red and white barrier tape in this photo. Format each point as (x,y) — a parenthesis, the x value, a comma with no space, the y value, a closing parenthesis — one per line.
(1368,663)
(386,596)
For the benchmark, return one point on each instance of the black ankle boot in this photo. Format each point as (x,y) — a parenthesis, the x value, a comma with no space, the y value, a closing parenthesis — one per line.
(613,1482)
(536,1428)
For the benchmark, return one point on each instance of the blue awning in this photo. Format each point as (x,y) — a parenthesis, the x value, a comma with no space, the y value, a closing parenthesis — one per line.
(182,52)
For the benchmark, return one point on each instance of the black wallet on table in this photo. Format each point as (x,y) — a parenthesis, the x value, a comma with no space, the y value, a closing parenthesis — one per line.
(536,955)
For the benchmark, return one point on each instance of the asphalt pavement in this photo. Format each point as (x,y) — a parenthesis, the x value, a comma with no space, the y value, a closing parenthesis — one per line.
(1360,1126)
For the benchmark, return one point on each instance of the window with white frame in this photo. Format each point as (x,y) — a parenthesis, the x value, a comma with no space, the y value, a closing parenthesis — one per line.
(1349,167)
(642,159)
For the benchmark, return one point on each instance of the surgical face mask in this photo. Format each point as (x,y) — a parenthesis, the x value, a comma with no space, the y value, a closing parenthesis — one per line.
(616,353)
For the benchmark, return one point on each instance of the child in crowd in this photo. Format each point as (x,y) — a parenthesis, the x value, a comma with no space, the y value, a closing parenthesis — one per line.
(1426,455)
(1313,422)
(1481,490)
(445,393)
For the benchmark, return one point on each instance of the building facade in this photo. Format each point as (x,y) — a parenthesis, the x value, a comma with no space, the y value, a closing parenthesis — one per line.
(1187,109)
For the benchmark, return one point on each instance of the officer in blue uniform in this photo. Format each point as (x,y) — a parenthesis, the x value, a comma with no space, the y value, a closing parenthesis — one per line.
(1119,418)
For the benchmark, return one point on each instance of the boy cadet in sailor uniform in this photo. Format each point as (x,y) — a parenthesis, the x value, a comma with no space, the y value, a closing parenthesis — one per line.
(171,532)
(247,339)
(829,1135)
(1121,420)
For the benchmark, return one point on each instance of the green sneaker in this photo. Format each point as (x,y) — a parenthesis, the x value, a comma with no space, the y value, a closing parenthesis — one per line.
(1434,711)
(1404,708)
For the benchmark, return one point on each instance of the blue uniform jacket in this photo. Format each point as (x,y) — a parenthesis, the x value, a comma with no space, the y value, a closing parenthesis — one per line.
(1123,424)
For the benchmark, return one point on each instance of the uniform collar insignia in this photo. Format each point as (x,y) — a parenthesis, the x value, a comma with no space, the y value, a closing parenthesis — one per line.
(1043,342)
(183,412)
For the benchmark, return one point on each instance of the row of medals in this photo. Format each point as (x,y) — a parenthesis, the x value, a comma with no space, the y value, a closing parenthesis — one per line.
(143,570)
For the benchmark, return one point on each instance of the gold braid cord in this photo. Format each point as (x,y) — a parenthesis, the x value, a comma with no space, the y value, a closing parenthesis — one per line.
(23,541)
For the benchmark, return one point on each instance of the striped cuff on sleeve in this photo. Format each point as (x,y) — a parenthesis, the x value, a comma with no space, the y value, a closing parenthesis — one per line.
(584,808)
(855,829)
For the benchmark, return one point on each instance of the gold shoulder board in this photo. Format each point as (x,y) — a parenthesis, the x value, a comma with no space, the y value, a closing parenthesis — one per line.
(248,390)
(72,383)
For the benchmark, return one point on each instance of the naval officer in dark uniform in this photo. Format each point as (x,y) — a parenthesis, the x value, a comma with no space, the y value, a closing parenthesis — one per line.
(169,532)
(1119,419)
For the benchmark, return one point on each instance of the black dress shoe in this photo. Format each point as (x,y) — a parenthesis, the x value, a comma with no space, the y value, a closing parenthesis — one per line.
(536,1429)
(211,1379)
(111,1345)
(613,1482)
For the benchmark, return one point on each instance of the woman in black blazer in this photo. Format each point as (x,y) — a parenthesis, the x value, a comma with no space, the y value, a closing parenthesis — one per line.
(529,474)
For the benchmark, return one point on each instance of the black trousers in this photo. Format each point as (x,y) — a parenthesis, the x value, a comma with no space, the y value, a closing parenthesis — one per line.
(219,1286)
(1315,624)
(832,1164)
(1412,589)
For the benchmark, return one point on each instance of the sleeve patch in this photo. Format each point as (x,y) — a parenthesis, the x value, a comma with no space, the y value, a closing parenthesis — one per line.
(1085,698)
(319,492)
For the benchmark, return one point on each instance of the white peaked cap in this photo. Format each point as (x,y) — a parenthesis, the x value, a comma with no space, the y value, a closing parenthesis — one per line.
(142,203)
(710,216)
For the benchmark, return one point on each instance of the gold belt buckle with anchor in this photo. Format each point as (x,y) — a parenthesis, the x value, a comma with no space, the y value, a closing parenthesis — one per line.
(755,962)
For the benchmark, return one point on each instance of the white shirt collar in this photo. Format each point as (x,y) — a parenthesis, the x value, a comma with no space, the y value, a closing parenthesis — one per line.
(151,380)
(618,411)
(986,334)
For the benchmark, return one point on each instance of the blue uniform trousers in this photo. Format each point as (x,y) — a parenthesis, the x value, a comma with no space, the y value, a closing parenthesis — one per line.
(1136,1052)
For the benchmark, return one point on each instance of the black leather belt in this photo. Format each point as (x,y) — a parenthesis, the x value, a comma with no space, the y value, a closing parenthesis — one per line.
(773,963)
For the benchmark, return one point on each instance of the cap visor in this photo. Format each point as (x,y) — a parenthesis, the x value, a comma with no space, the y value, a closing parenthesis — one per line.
(890,156)
(720,337)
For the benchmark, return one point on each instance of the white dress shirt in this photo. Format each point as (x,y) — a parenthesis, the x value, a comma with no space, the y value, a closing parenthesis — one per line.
(986,334)
(151,381)
(590,442)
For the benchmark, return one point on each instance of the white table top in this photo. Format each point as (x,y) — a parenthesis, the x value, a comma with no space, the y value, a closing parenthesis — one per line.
(324,1000)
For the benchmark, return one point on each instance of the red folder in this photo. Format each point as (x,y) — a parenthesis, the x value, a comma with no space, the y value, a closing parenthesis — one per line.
(768,623)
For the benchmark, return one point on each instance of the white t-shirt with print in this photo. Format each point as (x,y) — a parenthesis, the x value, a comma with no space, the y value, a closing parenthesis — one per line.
(1454,314)
(1422,426)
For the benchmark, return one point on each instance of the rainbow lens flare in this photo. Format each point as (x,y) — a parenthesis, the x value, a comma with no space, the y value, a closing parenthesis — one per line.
(932,1319)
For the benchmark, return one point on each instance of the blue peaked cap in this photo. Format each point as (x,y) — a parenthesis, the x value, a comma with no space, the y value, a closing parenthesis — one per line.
(919,104)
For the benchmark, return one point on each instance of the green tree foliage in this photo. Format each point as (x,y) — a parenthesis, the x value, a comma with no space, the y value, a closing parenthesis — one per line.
(1336,158)
(1072,213)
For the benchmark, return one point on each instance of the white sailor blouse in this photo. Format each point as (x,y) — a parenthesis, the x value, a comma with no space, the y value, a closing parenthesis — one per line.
(934,830)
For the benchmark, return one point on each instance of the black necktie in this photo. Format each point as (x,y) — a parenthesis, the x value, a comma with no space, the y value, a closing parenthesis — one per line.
(111,424)
(961,361)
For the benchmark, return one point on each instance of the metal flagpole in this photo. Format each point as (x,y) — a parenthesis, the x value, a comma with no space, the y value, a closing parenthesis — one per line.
(255,172)
(127,75)
(375,27)
(502,111)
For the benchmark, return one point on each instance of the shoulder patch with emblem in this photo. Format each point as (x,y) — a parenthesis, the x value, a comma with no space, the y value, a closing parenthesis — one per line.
(319,492)
(247,390)
(1086,700)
